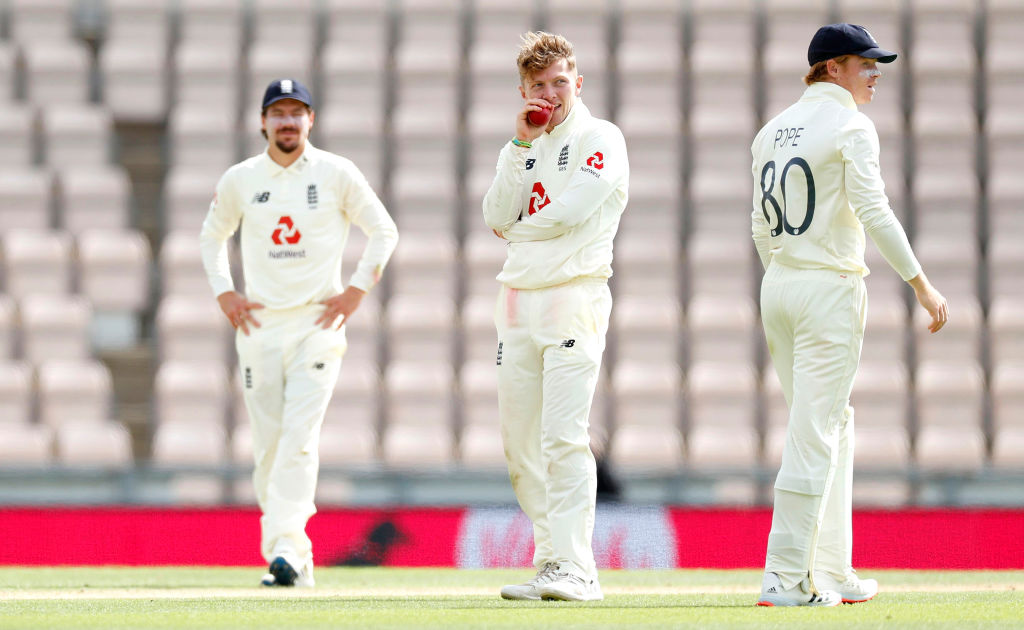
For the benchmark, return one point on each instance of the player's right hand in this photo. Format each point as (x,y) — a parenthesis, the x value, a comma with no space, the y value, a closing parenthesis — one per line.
(524,130)
(238,310)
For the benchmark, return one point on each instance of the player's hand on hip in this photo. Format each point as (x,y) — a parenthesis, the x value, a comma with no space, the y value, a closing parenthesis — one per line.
(341,305)
(525,131)
(238,310)
(932,301)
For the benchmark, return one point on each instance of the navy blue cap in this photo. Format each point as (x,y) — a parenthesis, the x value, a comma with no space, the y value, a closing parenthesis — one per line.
(286,88)
(835,40)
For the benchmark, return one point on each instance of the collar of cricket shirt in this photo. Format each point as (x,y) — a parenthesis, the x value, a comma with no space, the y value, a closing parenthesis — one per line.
(579,111)
(273,169)
(823,90)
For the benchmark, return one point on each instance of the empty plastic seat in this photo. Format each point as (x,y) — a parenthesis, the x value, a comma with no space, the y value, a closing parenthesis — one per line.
(135,85)
(56,71)
(201,137)
(139,22)
(18,128)
(192,328)
(647,264)
(8,327)
(1008,414)
(722,264)
(425,203)
(499,21)
(647,327)
(191,391)
(722,329)
(949,396)
(207,71)
(349,432)
(212,21)
(359,22)
(34,20)
(181,264)
(421,327)
(649,55)
(723,430)
(484,255)
(716,194)
(647,393)
(189,443)
(363,329)
(23,444)
(114,269)
(74,391)
(421,142)
(105,444)
(94,197)
(1006,329)
(885,331)
(187,194)
(480,444)
(76,134)
(55,327)
(37,262)
(1006,264)
(355,133)
(776,417)
(26,195)
(424,264)
(285,20)
(880,398)
(419,392)
(15,392)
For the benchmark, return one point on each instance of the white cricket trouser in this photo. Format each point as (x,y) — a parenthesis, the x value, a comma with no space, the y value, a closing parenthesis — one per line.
(814,323)
(288,368)
(549,355)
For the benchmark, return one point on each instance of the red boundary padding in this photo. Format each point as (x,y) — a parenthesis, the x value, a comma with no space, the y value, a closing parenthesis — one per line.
(896,539)
(714,538)
(228,536)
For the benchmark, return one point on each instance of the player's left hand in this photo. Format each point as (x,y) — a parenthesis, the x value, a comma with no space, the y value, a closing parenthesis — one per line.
(341,305)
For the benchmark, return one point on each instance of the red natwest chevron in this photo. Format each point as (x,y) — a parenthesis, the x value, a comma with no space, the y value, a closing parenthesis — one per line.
(291,236)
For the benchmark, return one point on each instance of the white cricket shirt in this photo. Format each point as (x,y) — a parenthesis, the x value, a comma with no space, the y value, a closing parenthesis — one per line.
(559,202)
(295,222)
(818,187)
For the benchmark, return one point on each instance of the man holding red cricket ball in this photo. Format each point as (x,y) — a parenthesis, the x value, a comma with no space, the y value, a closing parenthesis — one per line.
(559,192)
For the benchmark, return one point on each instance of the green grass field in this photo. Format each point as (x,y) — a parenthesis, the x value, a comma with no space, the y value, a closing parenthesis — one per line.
(113,598)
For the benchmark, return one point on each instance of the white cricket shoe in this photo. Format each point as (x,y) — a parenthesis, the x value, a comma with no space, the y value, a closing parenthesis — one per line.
(852,589)
(529,589)
(772,594)
(282,572)
(570,587)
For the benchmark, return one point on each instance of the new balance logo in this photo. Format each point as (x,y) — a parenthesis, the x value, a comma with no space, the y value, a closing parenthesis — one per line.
(530,163)
(568,343)
(319,365)
(261,197)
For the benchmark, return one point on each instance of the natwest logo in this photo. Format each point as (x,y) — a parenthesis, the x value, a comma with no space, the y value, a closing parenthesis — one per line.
(596,160)
(285,232)
(539,198)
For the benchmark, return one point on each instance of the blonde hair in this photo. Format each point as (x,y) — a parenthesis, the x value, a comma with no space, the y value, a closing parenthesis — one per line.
(539,50)
(819,71)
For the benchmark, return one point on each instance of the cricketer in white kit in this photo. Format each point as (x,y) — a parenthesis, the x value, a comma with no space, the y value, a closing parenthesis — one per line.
(817,189)
(557,197)
(295,204)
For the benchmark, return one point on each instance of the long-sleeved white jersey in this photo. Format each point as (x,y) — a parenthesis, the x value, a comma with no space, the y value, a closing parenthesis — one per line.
(818,187)
(295,223)
(559,202)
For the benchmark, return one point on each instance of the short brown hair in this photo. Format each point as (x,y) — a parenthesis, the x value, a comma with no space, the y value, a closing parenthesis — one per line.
(819,71)
(539,50)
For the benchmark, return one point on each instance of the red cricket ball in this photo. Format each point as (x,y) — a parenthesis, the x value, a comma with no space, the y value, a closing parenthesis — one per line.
(540,117)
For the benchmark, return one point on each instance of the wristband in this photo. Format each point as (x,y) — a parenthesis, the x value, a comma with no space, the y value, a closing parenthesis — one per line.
(520,143)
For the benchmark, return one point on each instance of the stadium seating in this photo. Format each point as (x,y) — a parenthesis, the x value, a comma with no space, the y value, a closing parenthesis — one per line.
(421,95)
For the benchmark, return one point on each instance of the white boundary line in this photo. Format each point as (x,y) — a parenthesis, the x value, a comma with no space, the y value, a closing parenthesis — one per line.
(453,591)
